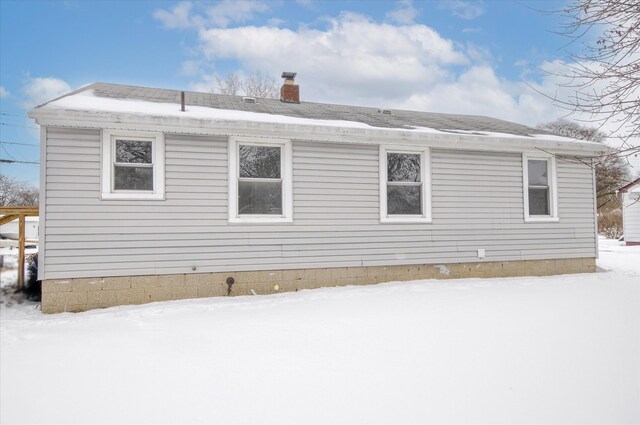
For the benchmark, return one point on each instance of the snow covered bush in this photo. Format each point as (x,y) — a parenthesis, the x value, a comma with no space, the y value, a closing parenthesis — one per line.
(610,224)
(33,286)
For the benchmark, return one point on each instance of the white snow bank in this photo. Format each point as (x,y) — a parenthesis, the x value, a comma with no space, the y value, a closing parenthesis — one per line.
(561,349)
(615,255)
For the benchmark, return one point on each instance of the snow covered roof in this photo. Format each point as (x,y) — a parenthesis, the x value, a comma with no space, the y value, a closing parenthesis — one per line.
(103,105)
(201,105)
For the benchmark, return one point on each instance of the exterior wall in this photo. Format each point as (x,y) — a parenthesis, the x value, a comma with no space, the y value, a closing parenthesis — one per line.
(477,202)
(631,219)
(72,295)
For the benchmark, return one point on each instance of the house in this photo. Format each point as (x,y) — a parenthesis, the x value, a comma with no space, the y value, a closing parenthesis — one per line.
(631,212)
(151,194)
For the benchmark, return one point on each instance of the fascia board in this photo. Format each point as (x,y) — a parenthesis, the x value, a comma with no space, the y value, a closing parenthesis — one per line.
(330,134)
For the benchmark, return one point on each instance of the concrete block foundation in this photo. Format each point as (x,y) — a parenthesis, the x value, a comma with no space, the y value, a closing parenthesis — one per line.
(75,295)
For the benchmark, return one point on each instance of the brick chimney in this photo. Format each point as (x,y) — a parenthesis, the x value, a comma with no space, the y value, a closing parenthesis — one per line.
(289,92)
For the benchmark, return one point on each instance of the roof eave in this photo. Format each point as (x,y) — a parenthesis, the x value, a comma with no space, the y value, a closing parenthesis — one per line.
(171,124)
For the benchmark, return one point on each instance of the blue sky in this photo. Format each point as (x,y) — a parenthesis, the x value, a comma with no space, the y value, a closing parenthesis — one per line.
(441,56)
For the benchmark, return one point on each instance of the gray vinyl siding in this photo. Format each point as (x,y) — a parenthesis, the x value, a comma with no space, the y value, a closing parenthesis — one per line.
(477,202)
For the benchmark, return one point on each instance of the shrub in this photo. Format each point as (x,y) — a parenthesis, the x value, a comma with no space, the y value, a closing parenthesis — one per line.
(33,286)
(610,224)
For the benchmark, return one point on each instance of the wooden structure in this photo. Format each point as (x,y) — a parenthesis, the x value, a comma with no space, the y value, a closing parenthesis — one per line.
(8,214)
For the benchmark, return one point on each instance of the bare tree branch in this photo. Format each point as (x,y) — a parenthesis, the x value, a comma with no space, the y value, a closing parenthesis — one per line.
(612,172)
(603,73)
(260,85)
(257,84)
(230,85)
(15,192)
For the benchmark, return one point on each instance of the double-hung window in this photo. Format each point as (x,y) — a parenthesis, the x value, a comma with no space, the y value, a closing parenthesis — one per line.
(260,180)
(540,193)
(405,194)
(132,165)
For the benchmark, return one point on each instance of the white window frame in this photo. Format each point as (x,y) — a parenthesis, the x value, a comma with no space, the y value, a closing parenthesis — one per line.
(553,188)
(286,174)
(108,157)
(425,168)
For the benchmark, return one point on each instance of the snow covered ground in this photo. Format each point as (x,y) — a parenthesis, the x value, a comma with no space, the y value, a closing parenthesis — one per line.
(561,349)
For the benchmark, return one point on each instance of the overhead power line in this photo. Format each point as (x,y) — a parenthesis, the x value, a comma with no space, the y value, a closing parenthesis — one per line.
(14,115)
(13,161)
(18,125)
(16,143)
(8,153)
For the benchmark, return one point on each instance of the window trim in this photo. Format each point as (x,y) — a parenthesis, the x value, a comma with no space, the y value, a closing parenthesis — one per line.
(286,175)
(108,161)
(553,188)
(425,166)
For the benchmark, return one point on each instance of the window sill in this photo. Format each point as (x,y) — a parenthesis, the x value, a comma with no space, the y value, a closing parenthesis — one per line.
(405,219)
(541,219)
(140,196)
(261,219)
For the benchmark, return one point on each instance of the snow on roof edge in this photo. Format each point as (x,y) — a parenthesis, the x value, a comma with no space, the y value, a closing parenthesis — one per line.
(85,100)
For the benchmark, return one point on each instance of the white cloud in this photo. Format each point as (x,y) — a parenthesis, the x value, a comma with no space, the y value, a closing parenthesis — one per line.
(358,61)
(4,92)
(404,13)
(355,60)
(190,68)
(305,3)
(183,15)
(178,17)
(228,11)
(351,59)
(206,84)
(463,9)
(275,22)
(43,89)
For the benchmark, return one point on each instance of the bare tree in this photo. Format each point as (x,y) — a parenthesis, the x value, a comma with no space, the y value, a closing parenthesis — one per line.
(256,84)
(15,192)
(574,130)
(604,72)
(612,171)
(260,85)
(230,85)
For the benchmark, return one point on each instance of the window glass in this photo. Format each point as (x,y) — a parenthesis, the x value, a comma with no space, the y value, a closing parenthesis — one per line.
(538,201)
(133,168)
(538,172)
(259,162)
(132,178)
(404,199)
(134,152)
(259,197)
(403,167)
